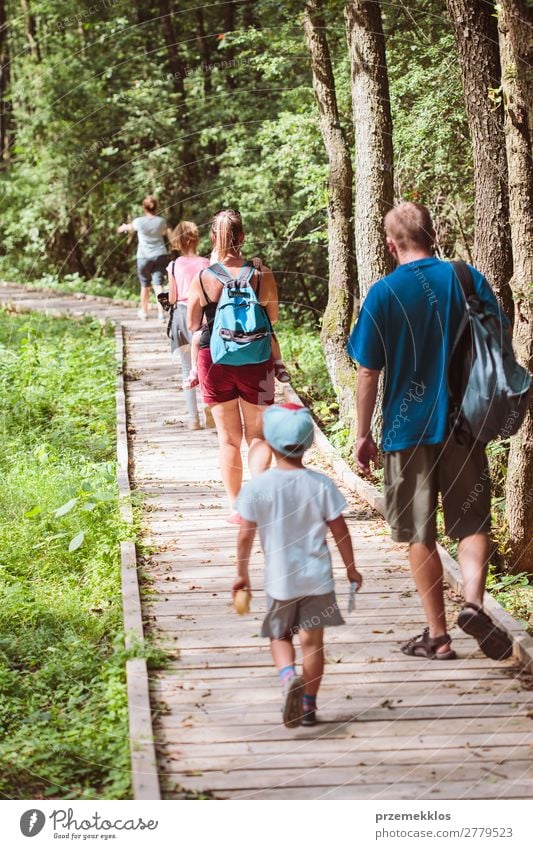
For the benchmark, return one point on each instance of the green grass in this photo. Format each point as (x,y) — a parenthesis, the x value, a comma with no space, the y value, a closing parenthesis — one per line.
(63,708)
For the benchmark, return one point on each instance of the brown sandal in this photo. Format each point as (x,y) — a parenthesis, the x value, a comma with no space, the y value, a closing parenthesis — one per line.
(425,646)
(493,641)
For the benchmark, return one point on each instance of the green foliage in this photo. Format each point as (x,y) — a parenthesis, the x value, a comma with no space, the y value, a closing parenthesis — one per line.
(63,715)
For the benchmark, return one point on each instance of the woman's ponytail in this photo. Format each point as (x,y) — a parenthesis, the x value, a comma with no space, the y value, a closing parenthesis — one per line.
(227,232)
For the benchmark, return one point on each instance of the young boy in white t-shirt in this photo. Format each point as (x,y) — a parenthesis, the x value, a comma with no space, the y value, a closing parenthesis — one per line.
(293,507)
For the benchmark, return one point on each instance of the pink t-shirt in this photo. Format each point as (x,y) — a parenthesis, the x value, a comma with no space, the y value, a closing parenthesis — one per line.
(184,269)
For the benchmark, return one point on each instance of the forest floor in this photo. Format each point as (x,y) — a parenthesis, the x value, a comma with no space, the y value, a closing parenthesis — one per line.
(391,727)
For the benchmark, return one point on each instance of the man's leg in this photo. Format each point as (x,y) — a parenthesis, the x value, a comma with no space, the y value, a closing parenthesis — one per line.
(426,567)
(473,556)
(411,493)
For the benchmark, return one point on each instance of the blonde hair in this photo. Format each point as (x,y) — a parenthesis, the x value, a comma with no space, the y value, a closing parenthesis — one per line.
(410,224)
(150,204)
(184,236)
(227,231)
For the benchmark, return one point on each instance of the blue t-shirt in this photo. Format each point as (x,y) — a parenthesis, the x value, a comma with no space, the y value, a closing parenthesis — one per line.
(407,325)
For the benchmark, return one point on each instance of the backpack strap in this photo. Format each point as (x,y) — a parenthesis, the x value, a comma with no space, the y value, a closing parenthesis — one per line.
(224,277)
(464,276)
(202,287)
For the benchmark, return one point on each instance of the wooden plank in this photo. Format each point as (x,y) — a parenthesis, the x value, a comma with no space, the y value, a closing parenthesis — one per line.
(144,770)
(456,790)
(186,761)
(194,728)
(430,774)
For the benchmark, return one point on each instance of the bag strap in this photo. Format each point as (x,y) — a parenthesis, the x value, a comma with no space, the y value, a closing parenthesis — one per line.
(464,276)
(206,296)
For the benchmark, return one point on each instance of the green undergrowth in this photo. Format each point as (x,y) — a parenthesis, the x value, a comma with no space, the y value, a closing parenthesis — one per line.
(63,708)
(303,354)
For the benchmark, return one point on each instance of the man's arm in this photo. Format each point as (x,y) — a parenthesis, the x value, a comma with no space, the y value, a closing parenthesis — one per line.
(245,542)
(367,389)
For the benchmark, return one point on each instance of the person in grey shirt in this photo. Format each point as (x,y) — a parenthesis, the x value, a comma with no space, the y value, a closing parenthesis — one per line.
(151,253)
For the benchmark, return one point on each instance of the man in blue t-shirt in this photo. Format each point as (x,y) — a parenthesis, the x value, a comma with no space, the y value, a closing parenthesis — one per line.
(407,326)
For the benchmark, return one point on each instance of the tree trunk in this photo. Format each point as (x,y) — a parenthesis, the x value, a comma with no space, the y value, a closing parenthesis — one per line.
(373,138)
(476,35)
(515,26)
(30,28)
(342,284)
(189,174)
(6,104)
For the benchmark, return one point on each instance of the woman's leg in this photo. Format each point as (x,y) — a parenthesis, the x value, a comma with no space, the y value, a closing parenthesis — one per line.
(190,394)
(259,452)
(145,298)
(227,417)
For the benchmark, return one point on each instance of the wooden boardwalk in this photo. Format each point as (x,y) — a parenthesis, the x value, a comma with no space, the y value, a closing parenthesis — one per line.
(391,727)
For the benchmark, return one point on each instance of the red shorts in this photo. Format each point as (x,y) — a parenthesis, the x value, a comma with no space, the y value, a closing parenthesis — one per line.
(253,383)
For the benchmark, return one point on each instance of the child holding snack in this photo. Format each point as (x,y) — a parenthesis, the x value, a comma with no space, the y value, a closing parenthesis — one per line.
(293,507)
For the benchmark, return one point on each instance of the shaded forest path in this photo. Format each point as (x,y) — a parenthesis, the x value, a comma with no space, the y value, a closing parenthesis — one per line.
(392,727)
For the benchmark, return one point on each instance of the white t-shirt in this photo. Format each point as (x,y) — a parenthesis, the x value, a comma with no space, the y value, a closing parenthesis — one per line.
(150,230)
(291,509)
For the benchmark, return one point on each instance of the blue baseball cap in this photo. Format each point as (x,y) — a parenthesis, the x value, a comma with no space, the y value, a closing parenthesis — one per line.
(288,429)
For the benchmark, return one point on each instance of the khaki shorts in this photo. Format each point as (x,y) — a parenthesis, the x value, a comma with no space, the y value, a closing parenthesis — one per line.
(414,478)
(285,618)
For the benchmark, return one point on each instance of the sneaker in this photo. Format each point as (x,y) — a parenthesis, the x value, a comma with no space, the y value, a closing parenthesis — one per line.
(293,693)
(142,315)
(309,718)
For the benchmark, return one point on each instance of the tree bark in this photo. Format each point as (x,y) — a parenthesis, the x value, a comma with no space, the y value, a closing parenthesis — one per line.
(342,284)
(476,36)
(6,104)
(178,70)
(515,25)
(373,138)
(30,28)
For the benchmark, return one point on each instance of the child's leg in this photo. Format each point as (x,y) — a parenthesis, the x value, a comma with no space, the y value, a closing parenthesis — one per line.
(274,344)
(283,655)
(192,378)
(293,684)
(312,643)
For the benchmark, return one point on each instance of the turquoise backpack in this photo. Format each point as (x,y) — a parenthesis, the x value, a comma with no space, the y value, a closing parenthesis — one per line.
(241,327)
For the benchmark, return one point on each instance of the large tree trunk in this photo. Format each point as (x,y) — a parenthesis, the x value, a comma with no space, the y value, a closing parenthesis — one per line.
(373,138)
(515,33)
(189,173)
(476,35)
(6,104)
(342,286)
(30,29)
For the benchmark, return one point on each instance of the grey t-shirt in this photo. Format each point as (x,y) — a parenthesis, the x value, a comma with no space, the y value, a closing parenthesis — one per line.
(150,230)
(291,510)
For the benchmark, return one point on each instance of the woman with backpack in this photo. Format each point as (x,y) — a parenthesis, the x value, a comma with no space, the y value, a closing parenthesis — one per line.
(181,272)
(237,394)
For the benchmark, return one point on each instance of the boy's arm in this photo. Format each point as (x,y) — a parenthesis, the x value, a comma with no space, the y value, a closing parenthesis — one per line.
(245,541)
(342,537)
